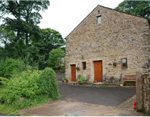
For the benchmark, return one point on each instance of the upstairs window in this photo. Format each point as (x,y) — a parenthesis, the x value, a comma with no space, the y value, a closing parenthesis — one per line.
(99,19)
(84,65)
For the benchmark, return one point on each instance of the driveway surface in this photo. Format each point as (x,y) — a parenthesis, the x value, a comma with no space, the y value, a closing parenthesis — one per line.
(60,76)
(109,96)
(69,108)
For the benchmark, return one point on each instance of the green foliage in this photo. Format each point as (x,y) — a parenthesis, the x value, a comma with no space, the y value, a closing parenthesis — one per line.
(15,107)
(3,81)
(81,79)
(103,84)
(22,37)
(64,79)
(140,8)
(50,39)
(55,57)
(11,66)
(121,82)
(23,85)
(26,103)
(8,109)
(63,69)
(48,83)
(28,89)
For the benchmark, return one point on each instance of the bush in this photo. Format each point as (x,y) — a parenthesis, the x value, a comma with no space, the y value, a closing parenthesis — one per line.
(11,66)
(3,81)
(64,79)
(15,107)
(28,89)
(81,79)
(63,69)
(23,85)
(26,103)
(48,83)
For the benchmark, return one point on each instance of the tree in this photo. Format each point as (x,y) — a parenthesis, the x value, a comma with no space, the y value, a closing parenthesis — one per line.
(21,35)
(48,39)
(141,8)
(55,57)
(17,32)
(26,15)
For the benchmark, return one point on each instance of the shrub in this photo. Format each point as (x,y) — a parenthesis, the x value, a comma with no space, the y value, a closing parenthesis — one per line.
(23,85)
(48,83)
(3,81)
(15,107)
(11,66)
(64,79)
(63,69)
(81,79)
(26,103)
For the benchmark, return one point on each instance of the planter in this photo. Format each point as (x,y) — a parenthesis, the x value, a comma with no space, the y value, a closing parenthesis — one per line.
(65,81)
(121,85)
(84,84)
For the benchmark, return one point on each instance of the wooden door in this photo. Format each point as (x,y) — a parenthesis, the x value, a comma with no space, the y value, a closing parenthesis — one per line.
(73,72)
(98,71)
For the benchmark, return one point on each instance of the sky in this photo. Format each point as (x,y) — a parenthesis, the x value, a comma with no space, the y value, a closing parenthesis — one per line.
(64,15)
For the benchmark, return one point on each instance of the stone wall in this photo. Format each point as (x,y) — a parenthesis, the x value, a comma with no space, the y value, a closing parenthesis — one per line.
(119,35)
(143,92)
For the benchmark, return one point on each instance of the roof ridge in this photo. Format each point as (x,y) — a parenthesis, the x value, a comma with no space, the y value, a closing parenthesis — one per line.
(122,12)
(106,8)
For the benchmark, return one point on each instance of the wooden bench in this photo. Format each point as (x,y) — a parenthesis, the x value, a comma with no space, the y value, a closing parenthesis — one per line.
(129,78)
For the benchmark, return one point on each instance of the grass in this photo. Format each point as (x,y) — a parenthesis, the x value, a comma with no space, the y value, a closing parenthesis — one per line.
(103,85)
(14,108)
(8,109)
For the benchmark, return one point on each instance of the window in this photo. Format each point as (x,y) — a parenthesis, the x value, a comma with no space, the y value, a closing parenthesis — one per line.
(99,19)
(124,62)
(84,65)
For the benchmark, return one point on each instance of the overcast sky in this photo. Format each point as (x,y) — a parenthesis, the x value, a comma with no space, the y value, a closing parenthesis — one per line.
(65,15)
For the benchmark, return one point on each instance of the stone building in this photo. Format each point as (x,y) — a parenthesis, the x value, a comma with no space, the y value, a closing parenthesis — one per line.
(107,42)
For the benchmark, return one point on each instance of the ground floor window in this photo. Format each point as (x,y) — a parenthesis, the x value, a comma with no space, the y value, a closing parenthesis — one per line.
(124,62)
(84,65)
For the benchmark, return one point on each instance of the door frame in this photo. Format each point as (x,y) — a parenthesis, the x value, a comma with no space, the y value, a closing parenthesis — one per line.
(71,72)
(94,67)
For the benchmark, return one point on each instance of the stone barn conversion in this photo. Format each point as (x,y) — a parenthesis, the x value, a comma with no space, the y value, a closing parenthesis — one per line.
(107,43)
